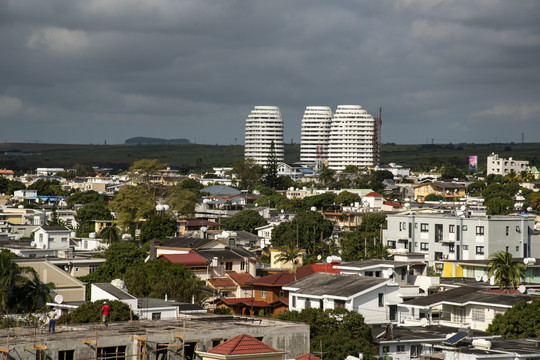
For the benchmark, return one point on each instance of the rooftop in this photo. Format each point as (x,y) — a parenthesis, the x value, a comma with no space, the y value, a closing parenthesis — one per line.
(335,284)
(242,344)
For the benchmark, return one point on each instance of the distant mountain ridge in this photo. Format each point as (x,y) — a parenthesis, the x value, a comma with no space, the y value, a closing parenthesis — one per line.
(155,141)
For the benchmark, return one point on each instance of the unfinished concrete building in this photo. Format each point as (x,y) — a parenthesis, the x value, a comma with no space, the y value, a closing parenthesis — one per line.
(148,340)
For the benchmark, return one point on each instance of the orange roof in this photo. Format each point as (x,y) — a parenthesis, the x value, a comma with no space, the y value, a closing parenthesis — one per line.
(307,356)
(221,282)
(242,279)
(3,171)
(373,194)
(242,344)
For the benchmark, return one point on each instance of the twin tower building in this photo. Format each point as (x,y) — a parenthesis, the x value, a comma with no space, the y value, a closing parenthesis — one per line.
(348,136)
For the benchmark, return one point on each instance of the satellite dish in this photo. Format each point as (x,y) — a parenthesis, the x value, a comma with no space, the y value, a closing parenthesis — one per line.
(463,208)
(385,273)
(522,289)
(478,277)
(485,278)
(58,299)
(424,322)
(319,257)
(33,244)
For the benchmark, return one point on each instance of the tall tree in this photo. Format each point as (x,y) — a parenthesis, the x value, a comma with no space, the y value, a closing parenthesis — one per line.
(182,200)
(520,321)
(290,255)
(271,170)
(508,273)
(345,198)
(131,204)
(158,227)
(87,214)
(245,220)
(247,172)
(110,234)
(326,176)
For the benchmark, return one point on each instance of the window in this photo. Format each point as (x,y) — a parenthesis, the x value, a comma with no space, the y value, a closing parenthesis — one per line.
(402,226)
(216,342)
(294,301)
(263,294)
(228,266)
(386,349)
(308,304)
(451,248)
(424,227)
(242,266)
(536,271)
(464,227)
(465,247)
(339,304)
(479,230)
(438,255)
(92,268)
(451,229)
(438,232)
(416,350)
(40,237)
(424,246)
(507,230)
(66,354)
(518,229)
(392,244)
(478,314)
(281,294)
(479,250)
(64,239)
(400,348)
(517,248)
(381,300)
(156,316)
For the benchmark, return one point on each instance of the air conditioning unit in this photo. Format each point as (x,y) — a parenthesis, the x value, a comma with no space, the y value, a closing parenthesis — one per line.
(445,256)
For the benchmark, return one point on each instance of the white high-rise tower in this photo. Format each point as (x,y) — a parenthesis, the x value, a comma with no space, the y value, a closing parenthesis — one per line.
(316,125)
(264,125)
(352,138)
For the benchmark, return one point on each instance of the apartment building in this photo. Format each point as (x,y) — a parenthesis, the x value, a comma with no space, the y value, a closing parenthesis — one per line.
(352,138)
(316,126)
(502,166)
(264,126)
(449,236)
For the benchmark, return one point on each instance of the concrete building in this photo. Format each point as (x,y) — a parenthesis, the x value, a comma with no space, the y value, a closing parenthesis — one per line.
(264,125)
(451,236)
(52,237)
(147,339)
(352,138)
(502,166)
(316,125)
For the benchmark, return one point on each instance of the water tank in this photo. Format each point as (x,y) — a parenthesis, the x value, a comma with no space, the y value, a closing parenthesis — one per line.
(481,344)
(92,235)
(160,207)
(166,207)
(73,234)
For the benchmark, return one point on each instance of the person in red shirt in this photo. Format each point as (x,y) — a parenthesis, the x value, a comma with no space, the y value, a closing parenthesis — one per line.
(105,311)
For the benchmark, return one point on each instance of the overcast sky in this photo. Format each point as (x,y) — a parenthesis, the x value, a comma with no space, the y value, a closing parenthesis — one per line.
(89,71)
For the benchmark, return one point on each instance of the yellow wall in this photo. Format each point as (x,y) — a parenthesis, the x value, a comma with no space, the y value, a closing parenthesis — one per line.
(452,270)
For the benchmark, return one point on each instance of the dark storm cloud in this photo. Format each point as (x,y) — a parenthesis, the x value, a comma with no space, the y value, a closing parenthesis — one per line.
(85,71)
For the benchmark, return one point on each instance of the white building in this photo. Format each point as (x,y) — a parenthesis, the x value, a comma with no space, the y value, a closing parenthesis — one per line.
(375,298)
(352,138)
(52,237)
(316,125)
(501,166)
(264,125)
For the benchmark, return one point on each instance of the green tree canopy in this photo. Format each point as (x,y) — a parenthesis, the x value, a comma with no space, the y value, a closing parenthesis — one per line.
(8,187)
(507,272)
(191,185)
(372,222)
(245,220)
(248,173)
(158,278)
(520,321)
(47,188)
(434,197)
(475,188)
(158,227)
(131,204)
(183,201)
(86,197)
(322,201)
(308,228)
(270,178)
(338,331)
(86,215)
(345,198)
(326,176)
(90,312)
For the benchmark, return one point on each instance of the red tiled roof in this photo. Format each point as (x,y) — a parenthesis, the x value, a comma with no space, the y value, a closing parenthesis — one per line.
(391,203)
(307,356)
(242,344)
(242,279)
(285,277)
(221,282)
(190,259)
(373,194)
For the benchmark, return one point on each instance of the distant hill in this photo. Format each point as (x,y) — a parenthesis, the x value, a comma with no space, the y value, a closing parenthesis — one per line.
(155,141)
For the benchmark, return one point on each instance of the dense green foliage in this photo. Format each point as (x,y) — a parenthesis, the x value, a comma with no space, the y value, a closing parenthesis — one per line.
(21,289)
(47,188)
(245,220)
(365,242)
(90,312)
(87,197)
(346,198)
(182,200)
(507,272)
(308,229)
(87,215)
(337,331)
(8,187)
(131,204)
(522,320)
(248,173)
(191,185)
(158,278)
(157,227)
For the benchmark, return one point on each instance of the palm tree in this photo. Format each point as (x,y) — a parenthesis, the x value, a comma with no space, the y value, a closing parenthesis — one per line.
(291,255)
(110,234)
(11,276)
(33,294)
(326,176)
(507,273)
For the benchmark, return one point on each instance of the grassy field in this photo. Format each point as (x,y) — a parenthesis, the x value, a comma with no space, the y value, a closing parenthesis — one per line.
(31,156)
